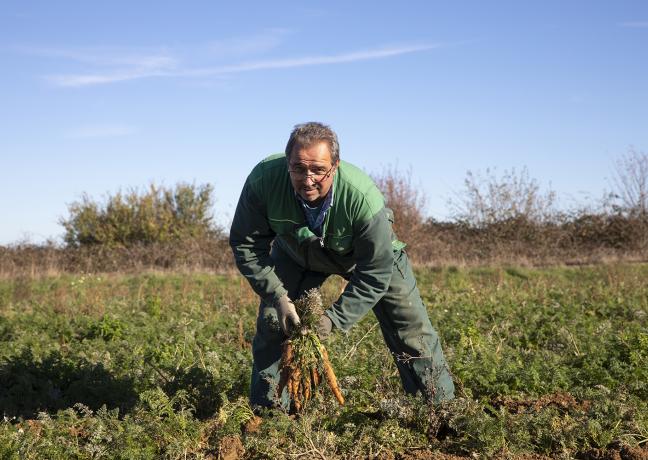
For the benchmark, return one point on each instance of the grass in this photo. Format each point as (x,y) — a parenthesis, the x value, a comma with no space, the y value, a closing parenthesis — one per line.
(549,362)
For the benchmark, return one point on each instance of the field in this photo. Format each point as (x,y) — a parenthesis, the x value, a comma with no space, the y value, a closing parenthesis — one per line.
(548,363)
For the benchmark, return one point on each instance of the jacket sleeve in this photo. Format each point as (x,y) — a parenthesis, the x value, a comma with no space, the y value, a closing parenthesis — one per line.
(370,280)
(251,238)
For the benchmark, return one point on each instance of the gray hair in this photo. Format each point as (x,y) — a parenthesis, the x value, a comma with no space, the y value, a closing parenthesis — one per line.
(306,135)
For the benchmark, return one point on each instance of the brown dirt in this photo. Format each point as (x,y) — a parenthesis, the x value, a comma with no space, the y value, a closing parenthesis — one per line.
(230,448)
(428,455)
(35,426)
(561,400)
(431,455)
(529,457)
(615,452)
(253,425)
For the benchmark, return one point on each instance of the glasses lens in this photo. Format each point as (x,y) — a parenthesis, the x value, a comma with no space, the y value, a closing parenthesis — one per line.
(301,174)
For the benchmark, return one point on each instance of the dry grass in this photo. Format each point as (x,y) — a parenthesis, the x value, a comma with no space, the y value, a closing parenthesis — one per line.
(585,240)
(212,255)
(520,243)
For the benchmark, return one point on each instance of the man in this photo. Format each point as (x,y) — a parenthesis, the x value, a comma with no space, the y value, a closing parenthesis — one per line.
(305,215)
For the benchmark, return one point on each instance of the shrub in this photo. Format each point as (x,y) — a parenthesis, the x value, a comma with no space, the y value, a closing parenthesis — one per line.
(158,215)
(630,184)
(514,197)
(407,202)
(600,229)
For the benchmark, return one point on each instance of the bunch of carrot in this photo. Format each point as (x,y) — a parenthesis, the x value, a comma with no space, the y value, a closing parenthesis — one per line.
(304,359)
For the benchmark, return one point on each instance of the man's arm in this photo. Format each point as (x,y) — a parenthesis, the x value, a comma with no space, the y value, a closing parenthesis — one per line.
(250,239)
(370,280)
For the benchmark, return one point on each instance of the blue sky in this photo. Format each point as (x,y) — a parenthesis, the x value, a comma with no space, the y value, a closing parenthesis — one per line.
(98,96)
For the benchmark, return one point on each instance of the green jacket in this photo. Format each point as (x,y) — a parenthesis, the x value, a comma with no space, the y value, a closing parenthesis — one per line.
(357,238)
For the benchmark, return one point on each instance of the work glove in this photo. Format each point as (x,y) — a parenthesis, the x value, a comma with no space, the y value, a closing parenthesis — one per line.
(324,327)
(287,315)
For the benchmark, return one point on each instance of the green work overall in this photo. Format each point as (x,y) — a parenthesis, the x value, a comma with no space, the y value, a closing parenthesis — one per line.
(404,323)
(279,255)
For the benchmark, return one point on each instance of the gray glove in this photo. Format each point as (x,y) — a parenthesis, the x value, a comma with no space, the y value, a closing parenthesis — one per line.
(324,327)
(287,315)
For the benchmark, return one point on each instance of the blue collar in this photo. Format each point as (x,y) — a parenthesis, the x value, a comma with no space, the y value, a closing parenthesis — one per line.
(315,216)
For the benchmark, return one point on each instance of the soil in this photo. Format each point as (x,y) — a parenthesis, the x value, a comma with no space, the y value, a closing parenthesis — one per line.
(429,455)
(420,455)
(432,455)
(231,448)
(561,400)
(253,425)
(615,452)
(530,457)
(612,452)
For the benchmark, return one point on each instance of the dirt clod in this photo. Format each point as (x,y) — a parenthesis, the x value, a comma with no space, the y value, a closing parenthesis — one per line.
(560,400)
(429,455)
(230,448)
(253,425)
(615,451)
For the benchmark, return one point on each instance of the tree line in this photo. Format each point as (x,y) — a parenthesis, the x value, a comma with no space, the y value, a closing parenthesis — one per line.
(496,218)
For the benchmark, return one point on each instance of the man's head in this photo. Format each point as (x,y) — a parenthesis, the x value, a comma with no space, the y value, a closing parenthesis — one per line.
(313,154)
(308,134)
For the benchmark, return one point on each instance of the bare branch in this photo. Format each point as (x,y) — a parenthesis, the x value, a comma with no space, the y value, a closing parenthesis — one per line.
(630,183)
(488,199)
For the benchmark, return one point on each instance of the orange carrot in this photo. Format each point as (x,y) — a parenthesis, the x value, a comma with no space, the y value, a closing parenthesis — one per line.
(330,376)
(296,383)
(290,388)
(286,361)
(296,398)
(315,378)
(307,386)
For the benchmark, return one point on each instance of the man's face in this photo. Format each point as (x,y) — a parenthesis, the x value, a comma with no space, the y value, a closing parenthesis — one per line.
(312,172)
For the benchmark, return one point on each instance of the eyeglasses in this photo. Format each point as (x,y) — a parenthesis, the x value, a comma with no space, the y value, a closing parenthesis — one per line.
(317,176)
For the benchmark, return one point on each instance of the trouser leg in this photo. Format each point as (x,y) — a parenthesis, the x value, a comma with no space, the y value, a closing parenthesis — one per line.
(266,345)
(409,334)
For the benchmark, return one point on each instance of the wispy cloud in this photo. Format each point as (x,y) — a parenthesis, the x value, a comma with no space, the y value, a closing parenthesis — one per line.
(312,60)
(169,69)
(102,56)
(97,131)
(146,68)
(635,24)
(121,56)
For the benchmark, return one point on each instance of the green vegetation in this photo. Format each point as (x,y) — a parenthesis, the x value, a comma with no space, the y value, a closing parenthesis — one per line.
(548,361)
(158,215)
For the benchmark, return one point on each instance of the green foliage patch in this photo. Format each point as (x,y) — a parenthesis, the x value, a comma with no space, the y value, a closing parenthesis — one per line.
(157,215)
(547,361)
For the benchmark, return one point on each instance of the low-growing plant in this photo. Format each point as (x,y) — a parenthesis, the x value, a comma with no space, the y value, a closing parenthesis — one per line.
(547,362)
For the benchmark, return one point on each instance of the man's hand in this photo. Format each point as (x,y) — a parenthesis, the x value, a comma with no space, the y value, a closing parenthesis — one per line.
(287,315)
(324,327)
